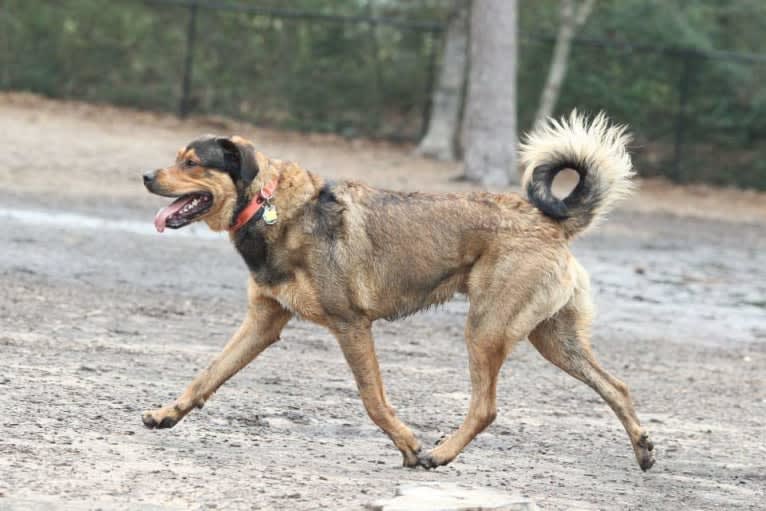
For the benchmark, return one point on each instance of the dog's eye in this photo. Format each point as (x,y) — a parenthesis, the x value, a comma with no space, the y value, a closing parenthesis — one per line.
(190,163)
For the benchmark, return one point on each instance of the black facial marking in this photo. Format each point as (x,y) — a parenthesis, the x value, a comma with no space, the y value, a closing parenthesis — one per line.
(209,152)
(221,153)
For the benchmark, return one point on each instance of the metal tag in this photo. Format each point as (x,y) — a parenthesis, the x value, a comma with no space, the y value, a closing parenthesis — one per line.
(269,214)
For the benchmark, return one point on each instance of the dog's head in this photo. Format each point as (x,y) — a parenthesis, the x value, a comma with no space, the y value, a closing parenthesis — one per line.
(208,178)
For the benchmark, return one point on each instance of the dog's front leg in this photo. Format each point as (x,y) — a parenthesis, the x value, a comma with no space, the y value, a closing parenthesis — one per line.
(358,348)
(261,328)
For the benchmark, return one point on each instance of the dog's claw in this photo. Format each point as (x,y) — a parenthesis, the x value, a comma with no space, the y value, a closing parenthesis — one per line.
(645,453)
(151,423)
(647,462)
(411,458)
(167,422)
(427,462)
(410,463)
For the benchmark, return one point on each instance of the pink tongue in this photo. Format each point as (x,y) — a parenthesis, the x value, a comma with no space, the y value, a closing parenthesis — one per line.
(162,215)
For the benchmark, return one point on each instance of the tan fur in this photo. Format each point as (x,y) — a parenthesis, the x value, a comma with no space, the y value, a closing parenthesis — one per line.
(364,254)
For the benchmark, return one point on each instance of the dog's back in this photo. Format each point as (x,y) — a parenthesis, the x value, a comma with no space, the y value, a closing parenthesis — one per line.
(394,253)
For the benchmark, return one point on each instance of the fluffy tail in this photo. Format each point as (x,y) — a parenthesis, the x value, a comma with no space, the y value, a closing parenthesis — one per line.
(595,150)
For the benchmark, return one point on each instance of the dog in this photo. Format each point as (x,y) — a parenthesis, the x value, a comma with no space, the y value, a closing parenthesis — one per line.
(343,255)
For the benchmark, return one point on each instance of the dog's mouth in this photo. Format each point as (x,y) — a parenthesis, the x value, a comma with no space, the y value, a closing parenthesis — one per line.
(183,210)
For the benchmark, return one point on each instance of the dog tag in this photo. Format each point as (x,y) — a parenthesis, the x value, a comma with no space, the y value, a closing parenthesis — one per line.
(269,214)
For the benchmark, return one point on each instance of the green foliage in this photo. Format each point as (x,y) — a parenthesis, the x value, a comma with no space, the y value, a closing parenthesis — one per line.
(79,49)
(358,79)
(348,77)
(713,108)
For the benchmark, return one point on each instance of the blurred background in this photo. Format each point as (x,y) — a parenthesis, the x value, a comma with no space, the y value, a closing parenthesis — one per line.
(101,317)
(686,75)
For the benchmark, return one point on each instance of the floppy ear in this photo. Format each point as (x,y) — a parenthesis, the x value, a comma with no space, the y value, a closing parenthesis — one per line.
(239,158)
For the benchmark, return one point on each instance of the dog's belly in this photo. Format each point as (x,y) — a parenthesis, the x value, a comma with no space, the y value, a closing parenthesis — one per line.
(396,298)
(408,293)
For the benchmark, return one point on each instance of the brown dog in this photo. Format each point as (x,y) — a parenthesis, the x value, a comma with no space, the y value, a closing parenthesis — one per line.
(344,255)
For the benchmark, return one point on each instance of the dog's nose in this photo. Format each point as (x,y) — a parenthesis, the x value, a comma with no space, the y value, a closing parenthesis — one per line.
(149,177)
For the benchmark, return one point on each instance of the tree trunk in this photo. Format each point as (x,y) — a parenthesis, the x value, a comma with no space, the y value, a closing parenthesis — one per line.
(440,140)
(570,22)
(490,110)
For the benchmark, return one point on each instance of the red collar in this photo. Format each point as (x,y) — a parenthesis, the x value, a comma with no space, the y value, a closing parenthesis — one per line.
(256,204)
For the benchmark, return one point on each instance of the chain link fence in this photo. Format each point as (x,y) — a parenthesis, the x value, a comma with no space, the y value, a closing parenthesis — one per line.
(358,75)
(697,116)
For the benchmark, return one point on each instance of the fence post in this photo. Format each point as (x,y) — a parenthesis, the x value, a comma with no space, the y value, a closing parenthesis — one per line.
(684,80)
(374,119)
(185,105)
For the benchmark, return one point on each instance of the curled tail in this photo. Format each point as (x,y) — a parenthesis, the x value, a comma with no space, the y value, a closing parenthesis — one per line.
(595,150)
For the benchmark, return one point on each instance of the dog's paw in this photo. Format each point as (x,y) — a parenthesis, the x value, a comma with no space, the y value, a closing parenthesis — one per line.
(430,461)
(410,460)
(159,419)
(411,457)
(645,452)
(427,461)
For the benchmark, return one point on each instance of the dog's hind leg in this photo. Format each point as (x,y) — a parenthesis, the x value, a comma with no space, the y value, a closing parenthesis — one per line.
(358,347)
(264,322)
(485,357)
(564,341)
(499,317)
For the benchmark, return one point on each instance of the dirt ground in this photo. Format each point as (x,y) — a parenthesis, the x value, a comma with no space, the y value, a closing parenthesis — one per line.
(101,317)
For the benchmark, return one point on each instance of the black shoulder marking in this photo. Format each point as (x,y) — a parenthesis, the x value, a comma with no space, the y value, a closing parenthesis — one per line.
(328,213)
(326,194)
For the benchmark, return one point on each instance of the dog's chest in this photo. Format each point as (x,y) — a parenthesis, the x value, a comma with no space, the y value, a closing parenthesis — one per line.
(299,296)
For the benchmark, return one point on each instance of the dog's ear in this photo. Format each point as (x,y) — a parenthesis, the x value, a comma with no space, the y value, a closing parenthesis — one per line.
(239,159)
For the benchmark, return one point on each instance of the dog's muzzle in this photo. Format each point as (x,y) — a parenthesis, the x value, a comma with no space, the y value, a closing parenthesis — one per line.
(149,178)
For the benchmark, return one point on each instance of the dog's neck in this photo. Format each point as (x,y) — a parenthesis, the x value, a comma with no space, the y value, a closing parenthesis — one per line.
(294,187)
(245,199)
(255,240)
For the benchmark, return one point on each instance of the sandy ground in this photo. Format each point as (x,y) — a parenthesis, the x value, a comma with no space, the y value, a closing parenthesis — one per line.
(102,318)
